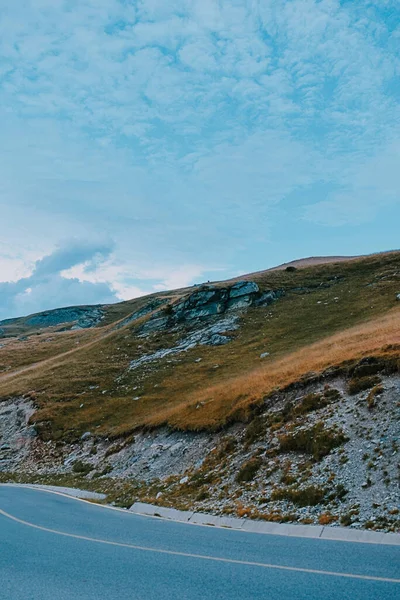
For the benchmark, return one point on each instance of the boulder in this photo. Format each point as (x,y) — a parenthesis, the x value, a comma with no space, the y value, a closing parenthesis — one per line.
(267,298)
(243,288)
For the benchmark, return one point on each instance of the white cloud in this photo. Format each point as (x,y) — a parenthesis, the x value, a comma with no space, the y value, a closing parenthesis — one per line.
(45,287)
(131,282)
(12,269)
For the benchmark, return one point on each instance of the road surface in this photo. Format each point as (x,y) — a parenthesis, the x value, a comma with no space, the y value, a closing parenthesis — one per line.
(57,548)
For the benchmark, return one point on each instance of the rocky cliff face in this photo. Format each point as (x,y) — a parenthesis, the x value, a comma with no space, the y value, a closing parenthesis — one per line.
(16,434)
(206,317)
(211,301)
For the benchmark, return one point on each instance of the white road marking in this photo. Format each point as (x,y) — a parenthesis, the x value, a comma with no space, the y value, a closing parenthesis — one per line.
(199,556)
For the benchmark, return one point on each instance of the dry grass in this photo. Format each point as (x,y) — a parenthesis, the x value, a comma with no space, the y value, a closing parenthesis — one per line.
(17,353)
(220,403)
(327,519)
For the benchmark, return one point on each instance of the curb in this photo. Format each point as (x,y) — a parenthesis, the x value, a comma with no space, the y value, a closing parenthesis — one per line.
(67,491)
(341,534)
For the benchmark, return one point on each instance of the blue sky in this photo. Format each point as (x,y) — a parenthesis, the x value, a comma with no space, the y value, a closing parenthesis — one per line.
(147,145)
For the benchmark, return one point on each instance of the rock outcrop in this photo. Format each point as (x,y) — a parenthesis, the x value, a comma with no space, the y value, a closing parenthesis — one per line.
(208,302)
(16,434)
(76,317)
(205,317)
(83,317)
(214,334)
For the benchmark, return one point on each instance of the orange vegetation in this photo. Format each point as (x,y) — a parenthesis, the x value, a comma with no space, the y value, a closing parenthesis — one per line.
(219,403)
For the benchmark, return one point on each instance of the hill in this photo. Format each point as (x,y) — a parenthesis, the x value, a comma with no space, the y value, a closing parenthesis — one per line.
(264,369)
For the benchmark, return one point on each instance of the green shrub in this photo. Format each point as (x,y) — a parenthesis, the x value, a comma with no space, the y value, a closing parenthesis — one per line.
(113,450)
(248,470)
(227,446)
(332,394)
(338,493)
(309,496)
(168,310)
(313,402)
(367,370)
(81,467)
(287,479)
(107,469)
(200,478)
(310,403)
(346,520)
(202,495)
(377,390)
(361,384)
(317,441)
(254,430)
(373,365)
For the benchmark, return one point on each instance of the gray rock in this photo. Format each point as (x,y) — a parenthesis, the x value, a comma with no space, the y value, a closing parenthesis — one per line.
(264,355)
(156,323)
(15,433)
(243,288)
(240,303)
(87,435)
(208,302)
(142,312)
(85,317)
(210,335)
(267,298)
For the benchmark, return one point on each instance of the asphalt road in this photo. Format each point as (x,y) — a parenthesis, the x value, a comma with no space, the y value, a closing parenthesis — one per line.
(57,548)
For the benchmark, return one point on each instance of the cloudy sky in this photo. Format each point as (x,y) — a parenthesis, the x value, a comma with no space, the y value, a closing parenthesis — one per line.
(150,144)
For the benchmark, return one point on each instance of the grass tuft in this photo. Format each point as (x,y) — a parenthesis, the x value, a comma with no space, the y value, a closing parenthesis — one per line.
(309,496)
(248,470)
(317,441)
(361,384)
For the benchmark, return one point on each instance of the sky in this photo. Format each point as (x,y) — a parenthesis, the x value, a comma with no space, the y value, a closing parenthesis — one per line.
(150,144)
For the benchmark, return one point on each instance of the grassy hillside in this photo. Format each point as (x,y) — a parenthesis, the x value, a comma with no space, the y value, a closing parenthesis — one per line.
(80,380)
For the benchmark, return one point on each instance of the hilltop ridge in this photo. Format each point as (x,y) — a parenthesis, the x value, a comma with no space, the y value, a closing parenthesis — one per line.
(85,316)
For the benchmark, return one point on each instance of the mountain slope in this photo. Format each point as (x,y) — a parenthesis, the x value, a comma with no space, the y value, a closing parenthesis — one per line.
(275,396)
(191,358)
